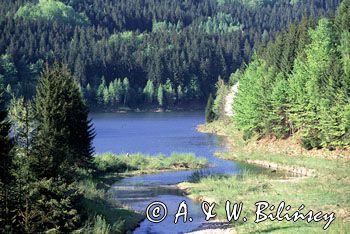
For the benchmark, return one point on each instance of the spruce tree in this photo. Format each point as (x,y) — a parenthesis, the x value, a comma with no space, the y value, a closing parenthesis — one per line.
(180,94)
(126,89)
(279,107)
(160,95)
(219,102)
(149,91)
(64,138)
(21,116)
(252,104)
(106,96)
(169,93)
(6,167)
(209,113)
(118,87)
(99,93)
(310,84)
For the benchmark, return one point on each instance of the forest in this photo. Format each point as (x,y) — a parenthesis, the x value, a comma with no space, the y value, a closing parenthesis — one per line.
(59,59)
(297,85)
(140,52)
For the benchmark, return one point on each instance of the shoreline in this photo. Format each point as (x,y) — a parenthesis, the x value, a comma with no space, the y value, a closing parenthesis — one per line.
(289,147)
(152,109)
(304,165)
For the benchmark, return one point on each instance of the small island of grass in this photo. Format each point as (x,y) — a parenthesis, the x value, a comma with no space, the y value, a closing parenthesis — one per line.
(140,163)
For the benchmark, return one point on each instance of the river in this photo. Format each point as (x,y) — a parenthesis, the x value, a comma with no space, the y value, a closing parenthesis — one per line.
(154,133)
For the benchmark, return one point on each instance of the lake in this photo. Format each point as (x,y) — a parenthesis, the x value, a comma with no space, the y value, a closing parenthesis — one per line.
(155,133)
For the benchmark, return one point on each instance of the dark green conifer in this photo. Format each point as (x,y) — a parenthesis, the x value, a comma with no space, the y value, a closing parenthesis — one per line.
(6,167)
(209,113)
(64,136)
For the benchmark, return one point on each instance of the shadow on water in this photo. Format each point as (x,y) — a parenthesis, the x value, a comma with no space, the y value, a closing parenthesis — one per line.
(153,133)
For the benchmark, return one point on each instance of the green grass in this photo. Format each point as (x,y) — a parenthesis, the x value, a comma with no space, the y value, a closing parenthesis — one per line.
(328,190)
(318,194)
(102,213)
(109,162)
(338,168)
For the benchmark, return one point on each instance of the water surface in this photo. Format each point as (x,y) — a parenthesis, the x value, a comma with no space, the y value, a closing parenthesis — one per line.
(154,133)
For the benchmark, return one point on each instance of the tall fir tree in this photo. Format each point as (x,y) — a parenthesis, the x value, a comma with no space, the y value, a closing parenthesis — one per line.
(6,167)
(64,138)
(209,113)
(219,102)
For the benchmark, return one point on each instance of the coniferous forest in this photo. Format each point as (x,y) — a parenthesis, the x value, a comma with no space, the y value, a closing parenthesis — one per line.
(131,53)
(299,85)
(61,58)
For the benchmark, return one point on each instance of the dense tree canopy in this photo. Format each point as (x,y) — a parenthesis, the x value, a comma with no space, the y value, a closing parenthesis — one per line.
(299,84)
(162,53)
(181,45)
(51,10)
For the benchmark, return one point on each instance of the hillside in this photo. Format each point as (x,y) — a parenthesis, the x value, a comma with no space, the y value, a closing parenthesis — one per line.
(131,53)
(297,86)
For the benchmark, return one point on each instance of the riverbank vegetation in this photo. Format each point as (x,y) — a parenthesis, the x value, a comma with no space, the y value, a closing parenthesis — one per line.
(134,53)
(108,216)
(323,193)
(290,113)
(326,189)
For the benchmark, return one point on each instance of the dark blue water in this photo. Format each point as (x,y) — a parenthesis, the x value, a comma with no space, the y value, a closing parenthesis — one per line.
(153,133)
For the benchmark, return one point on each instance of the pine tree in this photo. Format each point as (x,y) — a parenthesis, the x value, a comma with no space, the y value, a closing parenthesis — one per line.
(253,101)
(310,84)
(111,94)
(64,136)
(219,102)
(169,93)
(209,113)
(6,167)
(99,93)
(160,95)
(149,91)
(126,89)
